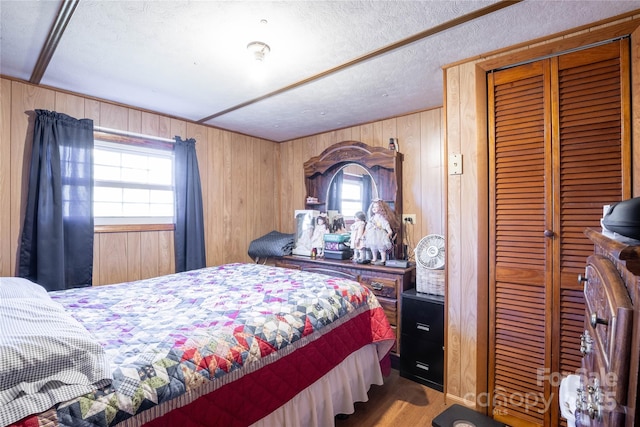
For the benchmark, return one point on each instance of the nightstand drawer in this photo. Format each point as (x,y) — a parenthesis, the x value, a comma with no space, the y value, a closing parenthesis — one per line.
(423,360)
(387,288)
(390,307)
(423,320)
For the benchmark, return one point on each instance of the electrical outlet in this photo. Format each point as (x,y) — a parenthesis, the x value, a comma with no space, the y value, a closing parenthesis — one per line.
(410,218)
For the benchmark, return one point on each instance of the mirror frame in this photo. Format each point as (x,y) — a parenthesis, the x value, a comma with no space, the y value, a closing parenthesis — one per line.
(384,166)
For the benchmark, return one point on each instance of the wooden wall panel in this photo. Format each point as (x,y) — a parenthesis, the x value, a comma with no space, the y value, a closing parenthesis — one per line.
(135,121)
(113,258)
(149,254)
(92,110)
(468,261)
(149,124)
(134,256)
(70,104)
(235,214)
(289,201)
(113,116)
(431,174)
(214,217)
(5,177)
(165,253)
(264,183)
(410,142)
(96,256)
(453,377)
(236,196)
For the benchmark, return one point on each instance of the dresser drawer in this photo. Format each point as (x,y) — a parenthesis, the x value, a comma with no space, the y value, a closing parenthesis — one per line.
(381,287)
(423,320)
(390,307)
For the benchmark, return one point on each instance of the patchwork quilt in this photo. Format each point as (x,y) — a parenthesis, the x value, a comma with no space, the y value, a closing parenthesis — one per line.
(223,345)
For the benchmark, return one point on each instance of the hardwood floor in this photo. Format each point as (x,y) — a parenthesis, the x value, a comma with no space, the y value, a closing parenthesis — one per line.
(398,402)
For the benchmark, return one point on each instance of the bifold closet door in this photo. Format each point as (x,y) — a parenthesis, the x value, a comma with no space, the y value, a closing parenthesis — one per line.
(557,155)
(521,255)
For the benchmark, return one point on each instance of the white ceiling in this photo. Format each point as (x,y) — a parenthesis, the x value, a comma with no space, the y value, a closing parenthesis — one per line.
(188,59)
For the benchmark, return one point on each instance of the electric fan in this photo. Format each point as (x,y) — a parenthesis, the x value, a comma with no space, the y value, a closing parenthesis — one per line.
(430,264)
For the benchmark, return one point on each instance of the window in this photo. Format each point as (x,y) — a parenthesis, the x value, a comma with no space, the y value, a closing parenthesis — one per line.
(352,195)
(133,182)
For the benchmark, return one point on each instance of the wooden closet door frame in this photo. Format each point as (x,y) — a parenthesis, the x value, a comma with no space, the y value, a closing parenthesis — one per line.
(553,273)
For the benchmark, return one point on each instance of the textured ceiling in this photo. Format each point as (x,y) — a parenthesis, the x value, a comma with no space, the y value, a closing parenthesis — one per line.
(332,63)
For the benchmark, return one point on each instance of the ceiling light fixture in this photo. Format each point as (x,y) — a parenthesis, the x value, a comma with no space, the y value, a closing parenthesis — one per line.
(259,50)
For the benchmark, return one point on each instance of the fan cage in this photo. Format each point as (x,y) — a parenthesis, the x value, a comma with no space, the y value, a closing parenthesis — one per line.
(428,280)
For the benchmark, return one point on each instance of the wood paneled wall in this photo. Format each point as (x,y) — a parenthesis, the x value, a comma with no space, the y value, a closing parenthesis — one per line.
(467,198)
(239,176)
(419,137)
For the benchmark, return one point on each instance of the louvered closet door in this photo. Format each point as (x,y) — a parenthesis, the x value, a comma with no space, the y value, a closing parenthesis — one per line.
(589,130)
(556,132)
(522,254)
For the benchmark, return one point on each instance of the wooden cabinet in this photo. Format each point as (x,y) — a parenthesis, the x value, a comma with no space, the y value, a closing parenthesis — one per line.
(611,338)
(559,151)
(422,348)
(387,283)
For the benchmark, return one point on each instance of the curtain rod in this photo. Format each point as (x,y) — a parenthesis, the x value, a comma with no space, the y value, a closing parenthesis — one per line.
(133,134)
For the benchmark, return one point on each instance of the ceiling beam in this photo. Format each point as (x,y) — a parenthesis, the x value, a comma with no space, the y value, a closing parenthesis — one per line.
(55,34)
(383,50)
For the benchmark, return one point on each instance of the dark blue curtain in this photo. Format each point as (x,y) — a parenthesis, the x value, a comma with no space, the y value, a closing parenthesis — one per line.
(56,247)
(335,192)
(367,191)
(189,233)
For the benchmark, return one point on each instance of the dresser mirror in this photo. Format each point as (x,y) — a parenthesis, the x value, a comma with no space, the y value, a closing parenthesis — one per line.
(383,167)
(351,189)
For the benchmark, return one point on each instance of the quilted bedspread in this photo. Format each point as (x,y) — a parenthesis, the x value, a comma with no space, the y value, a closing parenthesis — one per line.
(244,337)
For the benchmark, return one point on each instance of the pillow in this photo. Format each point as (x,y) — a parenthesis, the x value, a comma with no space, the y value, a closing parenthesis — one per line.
(17,287)
(46,356)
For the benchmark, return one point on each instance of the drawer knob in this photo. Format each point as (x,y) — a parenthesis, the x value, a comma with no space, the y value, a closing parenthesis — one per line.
(377,286)
(582,279)
(595,320)
(423,327)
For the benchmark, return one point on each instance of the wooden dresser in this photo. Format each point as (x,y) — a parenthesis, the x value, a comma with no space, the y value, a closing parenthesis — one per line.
(610,343)
(387,283)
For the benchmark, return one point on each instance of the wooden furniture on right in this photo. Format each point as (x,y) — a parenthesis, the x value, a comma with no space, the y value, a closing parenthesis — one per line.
(610,343)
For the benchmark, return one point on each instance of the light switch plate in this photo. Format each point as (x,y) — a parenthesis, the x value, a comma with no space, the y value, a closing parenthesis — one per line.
(455,164)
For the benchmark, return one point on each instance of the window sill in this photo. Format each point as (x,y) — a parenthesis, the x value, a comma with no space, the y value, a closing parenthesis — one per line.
(124,228)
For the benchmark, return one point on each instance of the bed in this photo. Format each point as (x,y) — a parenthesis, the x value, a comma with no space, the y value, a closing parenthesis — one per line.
(233,345)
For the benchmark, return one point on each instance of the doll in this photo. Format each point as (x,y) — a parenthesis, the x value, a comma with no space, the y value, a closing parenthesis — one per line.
(357,233)
(321,228)
(379,233)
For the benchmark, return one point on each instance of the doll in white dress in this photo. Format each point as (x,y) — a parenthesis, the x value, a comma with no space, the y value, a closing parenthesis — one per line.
(357,234)
(379,233)
(321,228)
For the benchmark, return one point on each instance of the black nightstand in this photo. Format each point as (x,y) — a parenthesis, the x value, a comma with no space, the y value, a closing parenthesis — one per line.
(422,343)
